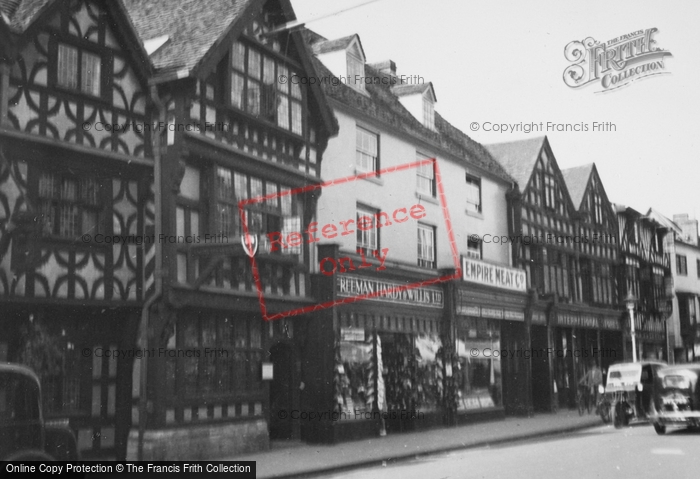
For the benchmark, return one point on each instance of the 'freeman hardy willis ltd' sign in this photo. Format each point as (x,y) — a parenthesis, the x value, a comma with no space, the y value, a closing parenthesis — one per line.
(351,286)
(475,271)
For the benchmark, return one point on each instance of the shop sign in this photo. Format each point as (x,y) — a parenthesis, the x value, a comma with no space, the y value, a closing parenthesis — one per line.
(491,313)
(513,315)
(538,317)
(353,286)
(577,321)
(468,310)
(610,323)
(475,271)
(352,334)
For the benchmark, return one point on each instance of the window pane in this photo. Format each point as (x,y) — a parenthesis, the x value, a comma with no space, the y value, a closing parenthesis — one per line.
(283,112)
(253,98)
(268,71)
(224,185)
(295,89)
(296,118)
(282,71)
(238,56)
(91,74)
(237,90)
(256,187)
(254,64)
(241,186)
(67,66)
(366,146)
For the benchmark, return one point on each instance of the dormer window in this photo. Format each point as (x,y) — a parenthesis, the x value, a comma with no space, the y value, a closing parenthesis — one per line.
(356,69)
(428,111)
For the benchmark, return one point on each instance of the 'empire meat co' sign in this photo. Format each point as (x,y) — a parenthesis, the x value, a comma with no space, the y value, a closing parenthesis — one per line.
(493,275)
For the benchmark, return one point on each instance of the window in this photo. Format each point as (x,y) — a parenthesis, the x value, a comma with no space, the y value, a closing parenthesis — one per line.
(632,266)
(274,215)
(428,112)
(255,88)
(474,247)
(367,150)
(425,176)
(367,240)
(356,71)
(681,265)
(70,206)
(473,193)
(79,70)
(234,369)
(426,246)
(697,267)
(550,192)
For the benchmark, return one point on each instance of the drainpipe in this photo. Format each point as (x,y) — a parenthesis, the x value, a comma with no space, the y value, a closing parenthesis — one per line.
(143,326)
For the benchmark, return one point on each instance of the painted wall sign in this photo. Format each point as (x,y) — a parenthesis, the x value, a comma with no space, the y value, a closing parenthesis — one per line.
(475,271)
(352,334)
(351,286)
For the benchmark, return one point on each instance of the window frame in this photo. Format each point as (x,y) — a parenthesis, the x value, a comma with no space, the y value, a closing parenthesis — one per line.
(359,130)
(272,93)
(56,202)
(422,261)
(432,190)
(681,265)
(359,243)
(470,251)
(471,179)
(428,111)
(80,85)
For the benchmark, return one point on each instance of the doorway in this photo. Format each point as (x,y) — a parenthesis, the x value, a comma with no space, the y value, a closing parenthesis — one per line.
(281,392)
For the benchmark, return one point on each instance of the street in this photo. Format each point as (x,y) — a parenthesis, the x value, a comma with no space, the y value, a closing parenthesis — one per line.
(599,452)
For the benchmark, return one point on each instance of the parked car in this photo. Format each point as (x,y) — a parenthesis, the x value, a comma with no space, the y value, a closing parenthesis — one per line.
(23,434)
(628,392)
(677,398)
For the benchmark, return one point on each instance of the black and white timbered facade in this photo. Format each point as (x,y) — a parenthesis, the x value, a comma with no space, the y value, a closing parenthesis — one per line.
(70,296)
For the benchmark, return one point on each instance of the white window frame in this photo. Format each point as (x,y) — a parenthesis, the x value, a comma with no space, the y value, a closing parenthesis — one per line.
(426,246)
(425,174)
(366,160)
(367,240)
(78,69)
(428,112)
(471,205)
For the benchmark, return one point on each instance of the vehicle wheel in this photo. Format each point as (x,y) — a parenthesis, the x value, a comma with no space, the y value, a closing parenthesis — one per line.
(660,429)
(619,416)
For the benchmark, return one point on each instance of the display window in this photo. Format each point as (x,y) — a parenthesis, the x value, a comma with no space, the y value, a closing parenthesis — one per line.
(479,372)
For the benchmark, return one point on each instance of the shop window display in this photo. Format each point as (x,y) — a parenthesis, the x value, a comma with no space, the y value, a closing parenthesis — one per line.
(479,371)
(355,378)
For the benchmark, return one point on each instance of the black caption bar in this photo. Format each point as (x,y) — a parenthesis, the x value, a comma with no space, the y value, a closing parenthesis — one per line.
(184,469)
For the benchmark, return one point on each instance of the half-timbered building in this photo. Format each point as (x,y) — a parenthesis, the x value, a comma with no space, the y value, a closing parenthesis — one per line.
(645,274)
(71,295)
(239,126)
(554,217)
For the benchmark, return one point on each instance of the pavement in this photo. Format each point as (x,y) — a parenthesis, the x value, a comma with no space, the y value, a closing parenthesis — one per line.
(301,460)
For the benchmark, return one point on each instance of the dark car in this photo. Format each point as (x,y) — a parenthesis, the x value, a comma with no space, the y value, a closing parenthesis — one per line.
(677,398)
(23,433)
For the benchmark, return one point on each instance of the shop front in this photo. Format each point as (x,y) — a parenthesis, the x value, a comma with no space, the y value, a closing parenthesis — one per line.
(650,336)
(376,366)
(491,341)
(582,339)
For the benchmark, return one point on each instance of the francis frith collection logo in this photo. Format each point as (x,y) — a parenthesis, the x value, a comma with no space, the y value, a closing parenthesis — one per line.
(615,63)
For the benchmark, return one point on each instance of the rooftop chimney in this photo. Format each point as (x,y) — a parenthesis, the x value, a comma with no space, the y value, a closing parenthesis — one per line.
(387,68)
(689,228)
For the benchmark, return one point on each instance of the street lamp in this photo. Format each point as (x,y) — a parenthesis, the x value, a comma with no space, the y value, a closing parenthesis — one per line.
(630,301)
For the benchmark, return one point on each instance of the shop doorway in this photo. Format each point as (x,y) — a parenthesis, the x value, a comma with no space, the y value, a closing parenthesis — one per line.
(541,377)
(281,392)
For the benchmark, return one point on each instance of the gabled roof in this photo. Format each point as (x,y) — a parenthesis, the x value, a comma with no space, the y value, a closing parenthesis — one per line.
(328,46)
(664,221)
(518,157)
(26,12)
(576,182)
(193,27)
(412,89)
(381,105)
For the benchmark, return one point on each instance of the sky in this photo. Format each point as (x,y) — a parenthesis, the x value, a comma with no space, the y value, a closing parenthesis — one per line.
(502,62)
